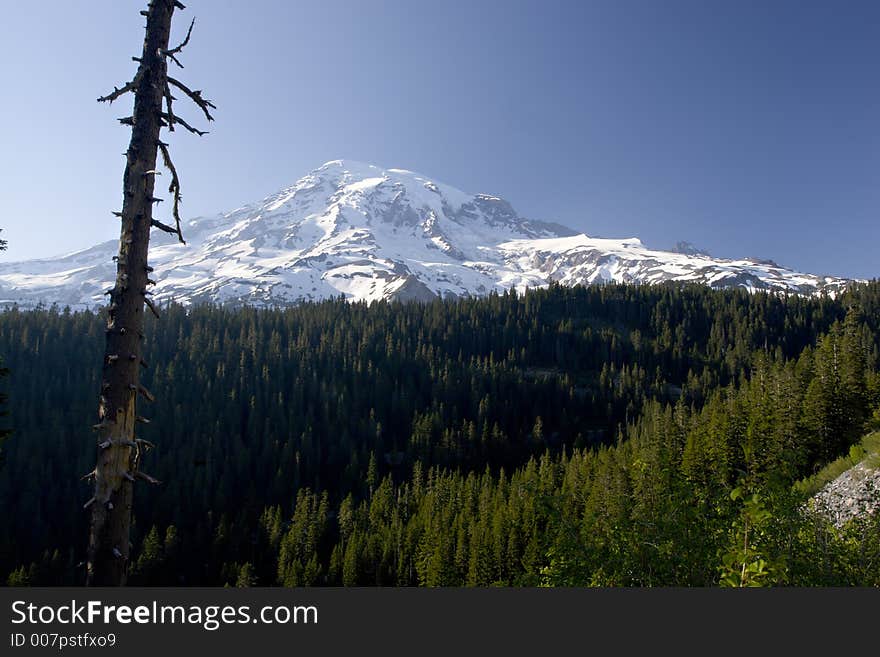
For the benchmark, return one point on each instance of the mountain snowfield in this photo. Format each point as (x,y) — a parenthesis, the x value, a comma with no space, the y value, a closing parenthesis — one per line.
(369,233)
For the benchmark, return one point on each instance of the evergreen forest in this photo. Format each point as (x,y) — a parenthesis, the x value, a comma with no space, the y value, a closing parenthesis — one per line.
(609,435)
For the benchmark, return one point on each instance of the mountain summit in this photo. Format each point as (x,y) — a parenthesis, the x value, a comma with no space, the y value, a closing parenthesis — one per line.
(370,233)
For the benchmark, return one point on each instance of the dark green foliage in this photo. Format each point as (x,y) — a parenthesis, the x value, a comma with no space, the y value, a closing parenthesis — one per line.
(566,436)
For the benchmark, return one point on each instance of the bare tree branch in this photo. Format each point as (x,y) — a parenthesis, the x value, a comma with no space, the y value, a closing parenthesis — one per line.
(116,93)
(143,476)
(170,120)
(142,390)
(170,53)
(168,99)
(151,306)
(173,188)
(195,96)
(155,223)
(180,47)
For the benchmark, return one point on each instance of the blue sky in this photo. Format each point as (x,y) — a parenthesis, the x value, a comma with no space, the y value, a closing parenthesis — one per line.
(746,127)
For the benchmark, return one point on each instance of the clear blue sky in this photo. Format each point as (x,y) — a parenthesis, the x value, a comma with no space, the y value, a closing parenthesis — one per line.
(746,127)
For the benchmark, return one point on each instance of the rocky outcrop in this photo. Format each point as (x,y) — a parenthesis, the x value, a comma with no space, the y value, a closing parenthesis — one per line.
(854,493)
(413,290)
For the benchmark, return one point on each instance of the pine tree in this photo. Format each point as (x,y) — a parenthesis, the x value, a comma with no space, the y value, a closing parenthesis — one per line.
(246,577)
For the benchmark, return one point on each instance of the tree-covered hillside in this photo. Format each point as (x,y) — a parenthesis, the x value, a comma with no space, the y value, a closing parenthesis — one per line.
(609,435)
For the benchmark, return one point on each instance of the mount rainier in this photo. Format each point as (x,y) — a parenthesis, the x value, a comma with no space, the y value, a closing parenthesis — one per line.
(370,233)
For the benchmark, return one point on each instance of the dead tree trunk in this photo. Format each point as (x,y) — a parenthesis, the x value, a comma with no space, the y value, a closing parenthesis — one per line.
(119,451)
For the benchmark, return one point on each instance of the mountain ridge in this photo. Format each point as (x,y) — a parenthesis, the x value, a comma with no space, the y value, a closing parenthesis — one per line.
(369,233)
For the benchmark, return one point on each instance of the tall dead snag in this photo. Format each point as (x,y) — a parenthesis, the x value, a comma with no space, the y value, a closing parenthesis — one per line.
(119,451)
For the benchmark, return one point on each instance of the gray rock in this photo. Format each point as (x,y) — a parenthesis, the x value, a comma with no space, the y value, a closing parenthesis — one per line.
(854,493)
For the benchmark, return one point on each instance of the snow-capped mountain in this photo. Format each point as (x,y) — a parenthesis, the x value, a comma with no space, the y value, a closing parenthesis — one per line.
(371,233)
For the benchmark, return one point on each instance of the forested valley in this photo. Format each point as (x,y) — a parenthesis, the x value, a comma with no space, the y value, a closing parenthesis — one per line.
(610,436)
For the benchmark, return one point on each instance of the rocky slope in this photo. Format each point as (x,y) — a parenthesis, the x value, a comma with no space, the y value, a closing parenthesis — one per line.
(854,493)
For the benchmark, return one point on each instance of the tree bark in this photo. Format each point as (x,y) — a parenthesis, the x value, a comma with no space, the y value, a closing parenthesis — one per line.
(118,453)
